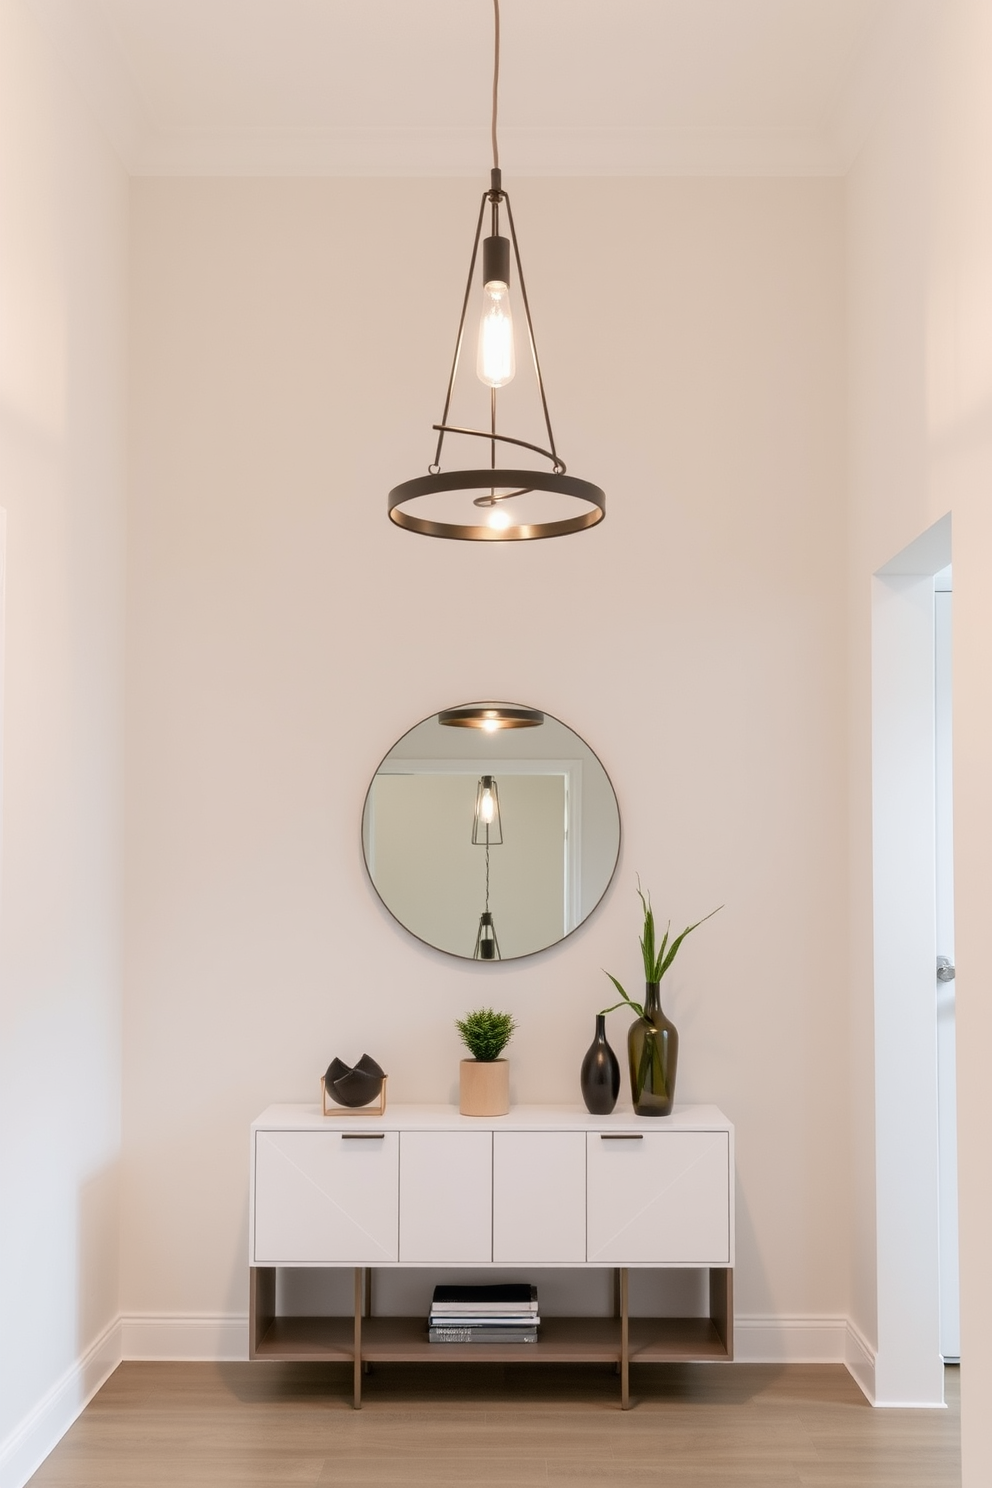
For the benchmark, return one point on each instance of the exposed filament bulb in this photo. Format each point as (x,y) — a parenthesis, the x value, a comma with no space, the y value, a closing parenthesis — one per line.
(496,361)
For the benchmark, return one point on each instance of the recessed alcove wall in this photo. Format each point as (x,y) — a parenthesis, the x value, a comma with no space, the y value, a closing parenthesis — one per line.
(290,343)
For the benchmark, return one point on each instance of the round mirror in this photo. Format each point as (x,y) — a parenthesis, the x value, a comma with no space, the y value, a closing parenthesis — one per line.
(491,831)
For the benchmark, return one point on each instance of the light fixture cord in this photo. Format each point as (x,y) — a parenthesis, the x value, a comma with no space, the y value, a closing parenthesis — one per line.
(495,80)
(492,396)
(487,869)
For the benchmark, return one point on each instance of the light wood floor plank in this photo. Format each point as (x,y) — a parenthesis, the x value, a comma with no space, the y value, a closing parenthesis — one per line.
(497,1426)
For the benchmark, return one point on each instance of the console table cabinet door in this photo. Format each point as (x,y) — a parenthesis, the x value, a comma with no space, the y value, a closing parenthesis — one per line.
(539,1197)
(659,1199)
(324,1198)
(446,1198)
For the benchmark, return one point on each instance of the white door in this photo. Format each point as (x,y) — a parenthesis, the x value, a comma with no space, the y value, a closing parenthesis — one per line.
(539,1197)
(324,1198)
(947,1137)
(659,1199)
(446,1198)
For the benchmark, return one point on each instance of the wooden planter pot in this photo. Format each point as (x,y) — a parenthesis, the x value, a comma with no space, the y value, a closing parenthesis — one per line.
(484,1088)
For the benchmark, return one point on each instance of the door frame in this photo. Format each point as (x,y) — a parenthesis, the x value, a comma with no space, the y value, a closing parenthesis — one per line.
(908,1364)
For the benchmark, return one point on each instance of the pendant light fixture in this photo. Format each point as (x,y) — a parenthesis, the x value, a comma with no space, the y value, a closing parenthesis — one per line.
(496,503)
(487,831)
(486,944)
(487,824)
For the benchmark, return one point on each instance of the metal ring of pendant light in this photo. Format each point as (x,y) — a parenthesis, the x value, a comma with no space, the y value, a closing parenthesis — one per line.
(502,484)
(456,480)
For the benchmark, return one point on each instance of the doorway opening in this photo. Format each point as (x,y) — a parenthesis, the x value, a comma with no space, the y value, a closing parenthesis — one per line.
(909,1363)
(947,1126)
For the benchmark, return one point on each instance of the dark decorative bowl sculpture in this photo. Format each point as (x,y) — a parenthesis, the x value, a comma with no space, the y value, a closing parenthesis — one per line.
(356,1086)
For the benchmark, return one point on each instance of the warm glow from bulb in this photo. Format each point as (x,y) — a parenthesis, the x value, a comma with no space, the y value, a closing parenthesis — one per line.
(498,519)
(496,363)
(487,807)
(490,726)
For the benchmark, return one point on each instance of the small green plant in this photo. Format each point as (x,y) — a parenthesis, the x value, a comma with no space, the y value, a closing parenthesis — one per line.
(486,1034)
(657,958)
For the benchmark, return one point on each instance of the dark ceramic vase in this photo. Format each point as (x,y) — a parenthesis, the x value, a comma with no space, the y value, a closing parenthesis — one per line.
(599,1077)
(354,1087)
(653,1048)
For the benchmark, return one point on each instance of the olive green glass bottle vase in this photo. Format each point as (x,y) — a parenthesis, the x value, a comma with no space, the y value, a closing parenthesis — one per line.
(653,1049)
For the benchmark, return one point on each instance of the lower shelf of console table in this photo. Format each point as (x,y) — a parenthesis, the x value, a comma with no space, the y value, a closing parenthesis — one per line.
(361,1339)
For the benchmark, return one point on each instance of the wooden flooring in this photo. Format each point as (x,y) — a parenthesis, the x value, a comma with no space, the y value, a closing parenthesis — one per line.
(496,1426)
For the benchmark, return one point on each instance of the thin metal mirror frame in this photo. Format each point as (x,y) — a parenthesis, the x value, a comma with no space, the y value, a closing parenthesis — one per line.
(539,950)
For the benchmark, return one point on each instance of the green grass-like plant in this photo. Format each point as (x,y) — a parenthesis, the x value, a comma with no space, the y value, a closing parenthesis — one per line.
(657,958)
(486,1034)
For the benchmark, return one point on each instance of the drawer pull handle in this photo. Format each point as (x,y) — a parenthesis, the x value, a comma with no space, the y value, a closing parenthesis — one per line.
(363,1136)
(621,1136)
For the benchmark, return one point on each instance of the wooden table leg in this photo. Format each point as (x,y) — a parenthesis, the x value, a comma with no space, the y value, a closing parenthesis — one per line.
(358,1338)
(624,1341)
(366,1367)
(616,1305)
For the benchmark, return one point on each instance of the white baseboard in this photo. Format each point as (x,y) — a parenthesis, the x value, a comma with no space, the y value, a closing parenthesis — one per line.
(150,1335)
(26,1448)
(807,1340)
(757,1340)
(860,1360)
(790,1340)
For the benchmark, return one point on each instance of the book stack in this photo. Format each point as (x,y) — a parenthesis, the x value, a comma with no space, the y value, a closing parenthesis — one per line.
(484,1314)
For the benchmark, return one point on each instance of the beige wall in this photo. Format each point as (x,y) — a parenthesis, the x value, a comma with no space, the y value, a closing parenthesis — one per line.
(63,206)
(921,396)
(281,635)
(886,309)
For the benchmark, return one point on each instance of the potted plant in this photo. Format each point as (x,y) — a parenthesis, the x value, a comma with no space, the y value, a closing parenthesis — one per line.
(653,1040)
(484,1080)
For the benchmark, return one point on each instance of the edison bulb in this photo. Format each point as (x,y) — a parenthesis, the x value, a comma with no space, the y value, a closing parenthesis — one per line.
(498,520)
(496,362)
(487,809)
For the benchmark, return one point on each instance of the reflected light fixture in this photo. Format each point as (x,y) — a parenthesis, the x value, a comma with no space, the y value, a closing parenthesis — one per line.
(487,824)
(490,720)
(487,831)
(496,503)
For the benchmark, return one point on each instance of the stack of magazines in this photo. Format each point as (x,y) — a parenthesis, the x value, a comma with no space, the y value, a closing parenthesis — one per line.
(484,1314)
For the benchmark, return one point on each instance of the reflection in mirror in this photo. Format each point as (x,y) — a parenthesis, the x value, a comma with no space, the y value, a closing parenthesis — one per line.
(491,842)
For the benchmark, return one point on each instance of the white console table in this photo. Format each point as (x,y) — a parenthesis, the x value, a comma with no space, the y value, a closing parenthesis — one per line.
(544,1186)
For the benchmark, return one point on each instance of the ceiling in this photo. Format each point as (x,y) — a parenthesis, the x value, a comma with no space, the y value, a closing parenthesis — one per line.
(402,87)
